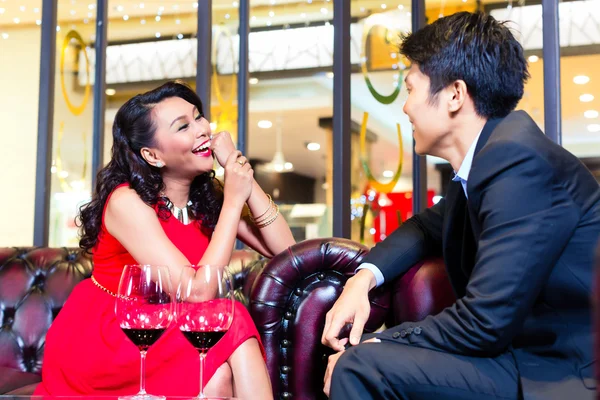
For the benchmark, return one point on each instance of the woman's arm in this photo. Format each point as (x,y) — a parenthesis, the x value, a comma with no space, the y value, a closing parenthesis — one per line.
(269,240)
(135,225)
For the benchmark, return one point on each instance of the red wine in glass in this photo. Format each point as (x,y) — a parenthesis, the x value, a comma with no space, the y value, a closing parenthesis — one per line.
(144,310)
(205,312)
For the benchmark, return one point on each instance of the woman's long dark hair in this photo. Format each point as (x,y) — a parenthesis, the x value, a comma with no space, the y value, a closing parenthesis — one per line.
(134,129)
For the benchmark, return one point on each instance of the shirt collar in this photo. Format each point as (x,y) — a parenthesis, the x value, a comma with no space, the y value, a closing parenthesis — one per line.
(465,167)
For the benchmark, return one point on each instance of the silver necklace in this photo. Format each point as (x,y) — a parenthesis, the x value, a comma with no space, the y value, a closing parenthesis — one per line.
(180,213)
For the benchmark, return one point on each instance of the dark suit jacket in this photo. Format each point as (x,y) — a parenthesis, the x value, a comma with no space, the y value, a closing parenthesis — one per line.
(519,254)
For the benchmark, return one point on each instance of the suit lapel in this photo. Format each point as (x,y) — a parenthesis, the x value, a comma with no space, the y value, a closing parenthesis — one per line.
(454,225)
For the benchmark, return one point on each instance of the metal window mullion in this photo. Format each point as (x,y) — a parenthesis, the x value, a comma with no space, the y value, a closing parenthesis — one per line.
(341,118)
(45,123)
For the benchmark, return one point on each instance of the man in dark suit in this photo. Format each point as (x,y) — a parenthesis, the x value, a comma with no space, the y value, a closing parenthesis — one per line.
(517,230)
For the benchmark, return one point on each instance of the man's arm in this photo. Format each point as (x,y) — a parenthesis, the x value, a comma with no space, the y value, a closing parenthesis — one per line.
(419,237)
(394,256)
(526,223)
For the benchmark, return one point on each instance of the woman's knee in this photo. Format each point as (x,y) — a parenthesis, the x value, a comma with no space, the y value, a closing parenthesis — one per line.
(221,383)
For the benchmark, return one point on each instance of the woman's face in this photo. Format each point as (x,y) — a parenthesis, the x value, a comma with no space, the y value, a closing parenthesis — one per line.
(182,137)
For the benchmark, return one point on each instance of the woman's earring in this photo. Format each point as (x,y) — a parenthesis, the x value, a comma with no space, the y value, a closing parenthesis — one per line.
(159,164)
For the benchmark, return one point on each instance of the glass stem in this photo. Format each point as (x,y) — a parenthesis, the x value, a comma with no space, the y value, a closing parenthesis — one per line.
(202,355)
(143,372)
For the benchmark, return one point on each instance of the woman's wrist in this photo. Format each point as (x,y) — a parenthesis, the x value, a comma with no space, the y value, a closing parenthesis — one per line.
(232,203)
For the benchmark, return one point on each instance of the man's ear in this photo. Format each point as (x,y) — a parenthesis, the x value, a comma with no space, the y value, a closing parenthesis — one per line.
(152,157)
(457,95)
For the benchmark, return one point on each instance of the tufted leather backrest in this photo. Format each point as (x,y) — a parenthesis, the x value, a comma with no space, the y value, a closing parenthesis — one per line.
(289,302)
(34,285)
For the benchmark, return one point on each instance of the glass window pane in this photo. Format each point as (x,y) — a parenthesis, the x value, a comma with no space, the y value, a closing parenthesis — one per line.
(73,114)
(381,154)
(291,98)
(19,99)
(580,80)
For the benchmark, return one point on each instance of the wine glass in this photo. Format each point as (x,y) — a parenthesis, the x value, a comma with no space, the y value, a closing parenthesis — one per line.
(144,311)
(205,308)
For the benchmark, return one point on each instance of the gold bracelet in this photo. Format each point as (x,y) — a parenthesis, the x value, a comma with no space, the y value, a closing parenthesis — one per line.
(119,296)
(263,214)
(269,222)
(272,209)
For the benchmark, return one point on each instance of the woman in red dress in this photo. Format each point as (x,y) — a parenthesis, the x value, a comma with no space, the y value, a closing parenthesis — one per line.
(157,202)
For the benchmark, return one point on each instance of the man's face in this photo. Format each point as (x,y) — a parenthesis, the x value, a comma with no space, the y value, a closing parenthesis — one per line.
(429,116)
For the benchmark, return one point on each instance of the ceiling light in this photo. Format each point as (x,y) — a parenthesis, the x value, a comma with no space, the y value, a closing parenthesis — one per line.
(408,14)
(271,14)
(38,21)
(53,169)
(265,124)
(323,10)
(175,6)
(141,5)
(57,28)
(90,15)
(234,4)
(157,18)
(303,15)
(177,21)
(4,35)
(195,5)
(180,36)
(384,6)
(119,8)
(16,20)
(161,9)
(125,17)
(309,1)
(110,92)
(227,16)
(22,8)
(36,10)
(400,7)
(533,58)
(143,21)
(329,75)
(273,2)
(253,81)
(63,174)
(213,126)
(594,128)
(313,146)
(268,23)
(91,6)
(253,18)
(85,21)
(388,174)
(288,166)
(591,114)
(157,34)
(586,98)
(581,79)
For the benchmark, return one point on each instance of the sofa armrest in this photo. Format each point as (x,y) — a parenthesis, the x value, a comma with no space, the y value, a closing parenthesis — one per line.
(288,303)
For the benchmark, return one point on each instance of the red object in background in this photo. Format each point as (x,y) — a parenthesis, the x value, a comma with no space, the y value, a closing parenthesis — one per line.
(388,206)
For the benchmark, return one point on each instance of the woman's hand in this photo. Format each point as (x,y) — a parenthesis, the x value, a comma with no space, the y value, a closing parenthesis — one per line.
(222,147)
(239,177)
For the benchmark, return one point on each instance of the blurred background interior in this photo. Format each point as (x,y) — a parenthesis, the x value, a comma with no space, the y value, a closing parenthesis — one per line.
(290,101)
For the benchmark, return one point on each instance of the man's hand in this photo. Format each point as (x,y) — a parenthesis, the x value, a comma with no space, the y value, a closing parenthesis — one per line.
(333,360)
(330,366)
(351,307)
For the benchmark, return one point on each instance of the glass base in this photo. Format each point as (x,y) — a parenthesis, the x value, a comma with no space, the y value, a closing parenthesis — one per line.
(142,397)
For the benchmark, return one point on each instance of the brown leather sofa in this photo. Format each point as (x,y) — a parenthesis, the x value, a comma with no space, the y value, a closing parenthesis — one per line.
(288,299)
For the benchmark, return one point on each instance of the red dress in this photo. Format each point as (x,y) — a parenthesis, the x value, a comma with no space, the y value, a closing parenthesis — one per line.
(87,353)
